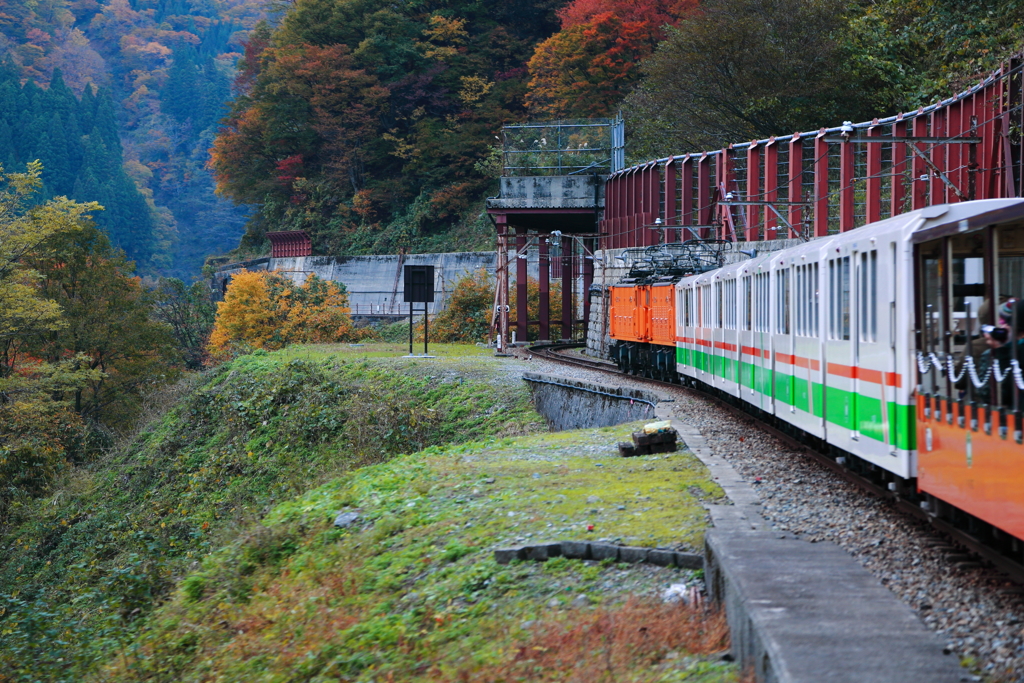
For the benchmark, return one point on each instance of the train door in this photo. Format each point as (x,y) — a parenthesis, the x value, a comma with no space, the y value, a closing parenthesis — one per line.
(762,338)
(839,353)
(782,340)
(745,338)
(873,357)
(808,406)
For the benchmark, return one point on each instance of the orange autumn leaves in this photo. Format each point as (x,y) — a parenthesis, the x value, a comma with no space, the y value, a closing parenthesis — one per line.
(264,310)
(588,67)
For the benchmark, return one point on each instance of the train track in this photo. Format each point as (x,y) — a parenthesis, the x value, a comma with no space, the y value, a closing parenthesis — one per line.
(979,547)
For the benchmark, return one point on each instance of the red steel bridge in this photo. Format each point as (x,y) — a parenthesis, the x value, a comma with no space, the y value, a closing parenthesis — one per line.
(802,185)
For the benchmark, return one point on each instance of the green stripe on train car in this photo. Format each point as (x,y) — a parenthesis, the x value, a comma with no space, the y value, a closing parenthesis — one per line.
(841,407)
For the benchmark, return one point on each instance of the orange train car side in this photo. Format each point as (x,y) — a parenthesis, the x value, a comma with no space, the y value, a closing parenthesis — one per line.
(628,313)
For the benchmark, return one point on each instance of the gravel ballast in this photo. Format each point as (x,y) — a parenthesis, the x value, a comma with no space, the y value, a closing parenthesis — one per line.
(977,610)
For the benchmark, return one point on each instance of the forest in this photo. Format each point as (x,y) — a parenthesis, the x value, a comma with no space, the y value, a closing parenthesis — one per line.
(160,72)
(373,125)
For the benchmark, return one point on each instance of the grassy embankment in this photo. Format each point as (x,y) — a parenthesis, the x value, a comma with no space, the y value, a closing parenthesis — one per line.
(206,551)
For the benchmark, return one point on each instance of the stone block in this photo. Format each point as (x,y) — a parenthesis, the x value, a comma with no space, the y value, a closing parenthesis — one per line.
(662,558)
(689,561)
(633,555)
(346,519)
(544,551)
(626,450)
(576,550)
(641,439)
(506,555)
(604,551)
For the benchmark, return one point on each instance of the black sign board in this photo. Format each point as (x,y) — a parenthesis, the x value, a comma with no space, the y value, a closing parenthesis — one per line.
(419,284)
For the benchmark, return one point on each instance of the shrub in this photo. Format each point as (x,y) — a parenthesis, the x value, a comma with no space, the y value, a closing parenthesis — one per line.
(268,311)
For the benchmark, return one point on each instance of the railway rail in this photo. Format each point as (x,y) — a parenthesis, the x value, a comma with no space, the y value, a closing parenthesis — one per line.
(1013,570)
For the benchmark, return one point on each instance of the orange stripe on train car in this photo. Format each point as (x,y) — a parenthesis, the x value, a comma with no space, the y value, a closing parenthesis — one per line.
(892,379)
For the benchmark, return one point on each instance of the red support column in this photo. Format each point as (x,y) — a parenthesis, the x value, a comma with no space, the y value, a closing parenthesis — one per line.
(918,169)
(686,206)
(633,204)
(589,245)
(937,189)
(703,193)
(522,315)
(897,192)
(847,173)
(753,192)
(771,187)
(568,280)
(726,181)
(651,204)
(955,157)
(671,183)
(544,305)
(796,190)
(873,188)
(820,185)
(607,222)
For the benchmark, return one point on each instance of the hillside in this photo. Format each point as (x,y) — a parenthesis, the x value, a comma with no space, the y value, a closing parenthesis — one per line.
(220,511)
(161,71)
(395,149)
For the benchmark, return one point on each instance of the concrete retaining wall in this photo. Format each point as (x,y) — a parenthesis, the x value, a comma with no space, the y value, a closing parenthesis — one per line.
(573,404)
(374,283)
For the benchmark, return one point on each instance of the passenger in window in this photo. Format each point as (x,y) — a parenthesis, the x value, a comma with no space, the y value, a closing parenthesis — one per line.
(980,344)
(1003,347)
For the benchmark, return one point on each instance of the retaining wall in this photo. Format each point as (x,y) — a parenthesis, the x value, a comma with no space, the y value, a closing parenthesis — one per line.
(574,404)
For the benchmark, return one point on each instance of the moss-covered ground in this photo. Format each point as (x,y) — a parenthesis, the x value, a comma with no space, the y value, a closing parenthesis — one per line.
(411,592)
(204,549)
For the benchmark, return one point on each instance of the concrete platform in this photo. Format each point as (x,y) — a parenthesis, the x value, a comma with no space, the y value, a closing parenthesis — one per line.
(808,612)
(803,612)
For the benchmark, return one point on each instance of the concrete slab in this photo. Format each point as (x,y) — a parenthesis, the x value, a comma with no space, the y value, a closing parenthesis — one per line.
(803,612)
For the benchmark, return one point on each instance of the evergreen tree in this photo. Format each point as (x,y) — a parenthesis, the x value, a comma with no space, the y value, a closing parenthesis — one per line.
(181,97)
(57,172)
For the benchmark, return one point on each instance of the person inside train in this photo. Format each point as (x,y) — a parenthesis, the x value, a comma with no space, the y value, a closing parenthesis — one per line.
(1001,348)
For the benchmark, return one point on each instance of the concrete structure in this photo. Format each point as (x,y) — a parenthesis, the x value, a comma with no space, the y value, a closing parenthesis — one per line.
(542,212)
(574,404)
(374,282)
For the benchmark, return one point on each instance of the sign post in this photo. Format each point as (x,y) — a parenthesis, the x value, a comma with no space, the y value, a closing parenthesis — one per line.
(419,288)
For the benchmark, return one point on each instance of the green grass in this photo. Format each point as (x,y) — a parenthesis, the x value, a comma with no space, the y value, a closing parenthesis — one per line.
(204,548)
(80,570)
(412,593)
(382,350)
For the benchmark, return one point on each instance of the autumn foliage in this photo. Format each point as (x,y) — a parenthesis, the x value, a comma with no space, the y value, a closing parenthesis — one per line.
(268,311)
(467,315)
(589,66)
(608,644)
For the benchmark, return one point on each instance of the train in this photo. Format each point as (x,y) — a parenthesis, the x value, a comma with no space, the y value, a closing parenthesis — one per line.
(879,347)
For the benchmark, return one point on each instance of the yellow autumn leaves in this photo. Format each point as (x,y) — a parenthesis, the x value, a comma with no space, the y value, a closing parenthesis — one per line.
(265,310)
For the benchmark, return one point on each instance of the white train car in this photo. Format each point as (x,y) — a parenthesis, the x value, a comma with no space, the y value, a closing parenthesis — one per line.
(820,335)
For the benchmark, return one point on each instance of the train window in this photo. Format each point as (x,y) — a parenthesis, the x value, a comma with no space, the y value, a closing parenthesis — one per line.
(970,292)
(868,295)
(731,304)
(782,301)
(813,298)
(839,308)
(747,303)
(686,308)
(1010,266)
(798,307)
(761,303)
(718,302)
